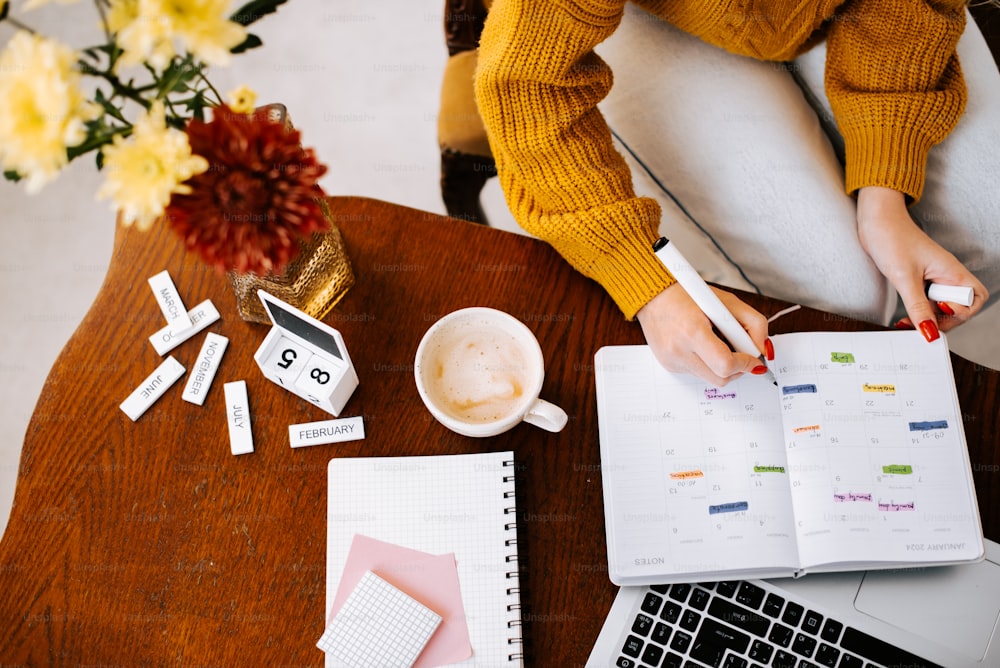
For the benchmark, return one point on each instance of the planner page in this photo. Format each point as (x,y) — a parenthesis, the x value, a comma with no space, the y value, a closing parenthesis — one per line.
(695,477)
(877,459)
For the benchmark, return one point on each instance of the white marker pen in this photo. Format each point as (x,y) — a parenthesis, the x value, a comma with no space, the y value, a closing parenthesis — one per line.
(957,294)
(707,301)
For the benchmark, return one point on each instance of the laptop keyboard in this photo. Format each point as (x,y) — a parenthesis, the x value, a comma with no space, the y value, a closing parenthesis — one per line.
(743,625)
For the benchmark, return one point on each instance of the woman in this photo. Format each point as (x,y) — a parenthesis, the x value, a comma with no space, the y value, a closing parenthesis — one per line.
(838,238)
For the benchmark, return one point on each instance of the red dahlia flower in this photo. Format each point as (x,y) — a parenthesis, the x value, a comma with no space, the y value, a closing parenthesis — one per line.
(258,198)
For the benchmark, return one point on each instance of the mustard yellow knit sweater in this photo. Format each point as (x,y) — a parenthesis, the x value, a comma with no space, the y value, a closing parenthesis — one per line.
(892,78)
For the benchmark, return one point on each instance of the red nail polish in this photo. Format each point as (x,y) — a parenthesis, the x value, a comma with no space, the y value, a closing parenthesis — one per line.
(903,324)
(769,349)
(929,329)
(758,370)
(945,308)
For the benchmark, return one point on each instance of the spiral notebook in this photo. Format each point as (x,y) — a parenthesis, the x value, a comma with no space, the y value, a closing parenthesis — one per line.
(439,504)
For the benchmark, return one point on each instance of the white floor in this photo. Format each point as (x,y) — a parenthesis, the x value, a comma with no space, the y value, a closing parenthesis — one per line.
(361,81)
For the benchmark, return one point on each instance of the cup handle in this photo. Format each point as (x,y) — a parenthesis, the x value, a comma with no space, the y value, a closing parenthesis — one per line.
(546,415)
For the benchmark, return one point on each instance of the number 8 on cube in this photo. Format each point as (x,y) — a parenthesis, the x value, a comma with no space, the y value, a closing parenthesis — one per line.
(306,357)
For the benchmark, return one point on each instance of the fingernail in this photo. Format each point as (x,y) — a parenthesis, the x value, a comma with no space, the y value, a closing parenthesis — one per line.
(929,329)
(758,370)
(947,310)
(903,324)
(769,349)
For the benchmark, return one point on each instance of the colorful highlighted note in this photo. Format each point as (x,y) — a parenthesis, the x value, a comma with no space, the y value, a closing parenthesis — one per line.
(799,389)
(842,358)
(880,389)
(806,430)
(735,507)
(714,393)
(896,507)
(928,425)
(686,475)
(852,496)
(768,469)
(898,469)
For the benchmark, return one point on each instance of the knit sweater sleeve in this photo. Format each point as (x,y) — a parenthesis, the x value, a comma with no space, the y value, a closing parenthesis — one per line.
(895,86)
(538,83)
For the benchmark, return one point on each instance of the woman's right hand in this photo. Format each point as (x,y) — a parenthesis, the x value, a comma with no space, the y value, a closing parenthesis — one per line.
(682,339)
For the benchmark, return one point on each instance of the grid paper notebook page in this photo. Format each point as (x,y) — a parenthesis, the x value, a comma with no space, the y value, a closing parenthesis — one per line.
(461,504)
(379,626)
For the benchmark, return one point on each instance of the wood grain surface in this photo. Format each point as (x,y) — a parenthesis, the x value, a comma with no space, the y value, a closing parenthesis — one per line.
(149,544)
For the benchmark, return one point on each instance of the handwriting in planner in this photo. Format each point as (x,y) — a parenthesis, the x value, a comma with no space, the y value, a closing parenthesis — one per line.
(892,507)
(897,469)
(686,475)
(842,358)
(733,507)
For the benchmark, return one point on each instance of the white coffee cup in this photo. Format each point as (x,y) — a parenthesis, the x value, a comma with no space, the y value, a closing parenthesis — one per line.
(479,371)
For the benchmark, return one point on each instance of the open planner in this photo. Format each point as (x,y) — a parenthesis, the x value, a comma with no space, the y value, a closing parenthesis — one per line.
(856,460)
(457,507)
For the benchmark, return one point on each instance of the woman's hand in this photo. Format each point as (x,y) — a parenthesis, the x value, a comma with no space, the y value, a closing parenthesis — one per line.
(682,339)
(909,259)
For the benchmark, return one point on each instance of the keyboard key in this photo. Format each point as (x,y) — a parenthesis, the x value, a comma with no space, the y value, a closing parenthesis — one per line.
(625,662)
(672,661)
(804,645)
(727,588)
(652,655)
(699,599)
(807,664)
(849,661)
(651,603)
(707,653)
(831,630)
(661,633)
(812,622)
(679,592)
(739,617)
(772,605)
(642,624)
(707,585)
(671,612)
(690,620)
(660,589)
(733,661)
(827,656)
(714,633)
(793,614)
(761,651)
(877,651)
(750,595)
(784,660)
(781,635)
(632,647)
(681,642)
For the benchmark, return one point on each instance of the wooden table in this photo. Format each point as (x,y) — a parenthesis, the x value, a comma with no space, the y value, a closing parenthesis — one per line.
(148,543)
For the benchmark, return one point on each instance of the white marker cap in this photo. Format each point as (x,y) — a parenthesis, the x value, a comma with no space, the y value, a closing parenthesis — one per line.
(957,294)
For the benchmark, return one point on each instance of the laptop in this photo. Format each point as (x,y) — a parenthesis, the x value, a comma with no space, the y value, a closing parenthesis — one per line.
(936,616)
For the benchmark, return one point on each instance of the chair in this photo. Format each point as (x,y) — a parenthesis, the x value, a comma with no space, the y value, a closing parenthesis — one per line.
(466,160)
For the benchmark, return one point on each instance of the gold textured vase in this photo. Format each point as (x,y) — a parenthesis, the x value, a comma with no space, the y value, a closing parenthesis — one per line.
(313,282)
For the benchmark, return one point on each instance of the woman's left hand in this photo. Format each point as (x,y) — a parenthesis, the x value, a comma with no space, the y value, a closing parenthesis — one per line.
(910,259)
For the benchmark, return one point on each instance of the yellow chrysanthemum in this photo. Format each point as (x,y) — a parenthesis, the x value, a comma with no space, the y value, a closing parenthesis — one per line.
(44,108)
(242,100)
(144,170)
(154,31)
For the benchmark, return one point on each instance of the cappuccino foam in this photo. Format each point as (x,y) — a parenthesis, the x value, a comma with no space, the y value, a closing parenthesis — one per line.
(477,373)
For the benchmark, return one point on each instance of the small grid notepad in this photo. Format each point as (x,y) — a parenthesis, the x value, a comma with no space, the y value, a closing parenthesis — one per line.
(378,626)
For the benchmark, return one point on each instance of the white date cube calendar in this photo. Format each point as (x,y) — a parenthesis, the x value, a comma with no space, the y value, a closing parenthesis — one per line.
(306,357)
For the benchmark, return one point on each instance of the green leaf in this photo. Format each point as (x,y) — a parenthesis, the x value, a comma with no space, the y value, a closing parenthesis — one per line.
(109,107)
(254,11)
(11,175)
(251,42)
(100,160)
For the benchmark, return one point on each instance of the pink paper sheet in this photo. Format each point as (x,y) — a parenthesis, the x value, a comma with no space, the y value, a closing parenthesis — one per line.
(430,579)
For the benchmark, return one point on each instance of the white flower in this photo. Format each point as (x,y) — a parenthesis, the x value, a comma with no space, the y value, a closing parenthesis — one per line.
(44,108)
